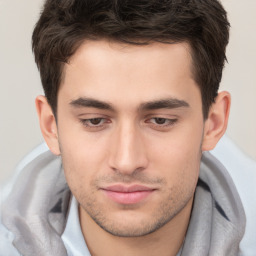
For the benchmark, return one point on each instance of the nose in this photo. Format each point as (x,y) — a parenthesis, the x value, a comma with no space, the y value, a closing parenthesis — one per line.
(127,153)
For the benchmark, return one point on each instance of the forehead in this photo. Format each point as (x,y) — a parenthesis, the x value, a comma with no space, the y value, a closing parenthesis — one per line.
(103,53)
(109,71)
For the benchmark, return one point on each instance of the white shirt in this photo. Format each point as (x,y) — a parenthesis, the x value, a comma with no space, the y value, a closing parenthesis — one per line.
(72,236)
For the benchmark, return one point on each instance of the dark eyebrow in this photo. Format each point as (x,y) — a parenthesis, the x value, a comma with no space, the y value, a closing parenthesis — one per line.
(151,105)
(164,103)
(91,103)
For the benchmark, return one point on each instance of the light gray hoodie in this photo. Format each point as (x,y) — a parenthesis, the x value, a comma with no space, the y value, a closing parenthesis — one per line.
(34,212)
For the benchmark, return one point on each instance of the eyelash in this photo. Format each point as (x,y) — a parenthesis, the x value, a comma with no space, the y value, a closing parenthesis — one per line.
(86,122)
(170,122)
(102,121)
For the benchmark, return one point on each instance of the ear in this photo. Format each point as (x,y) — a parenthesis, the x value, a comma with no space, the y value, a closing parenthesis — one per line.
(216,123)
(48,124)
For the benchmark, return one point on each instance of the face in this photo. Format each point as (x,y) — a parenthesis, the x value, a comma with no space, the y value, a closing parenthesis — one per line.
(130,127)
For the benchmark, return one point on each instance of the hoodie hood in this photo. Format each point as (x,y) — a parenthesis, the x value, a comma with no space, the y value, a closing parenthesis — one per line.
(36,210)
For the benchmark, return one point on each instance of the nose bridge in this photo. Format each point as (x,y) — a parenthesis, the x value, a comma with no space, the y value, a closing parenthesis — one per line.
(128,153)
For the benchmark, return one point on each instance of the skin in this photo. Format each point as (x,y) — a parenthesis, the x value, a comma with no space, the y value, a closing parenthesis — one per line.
(132,115)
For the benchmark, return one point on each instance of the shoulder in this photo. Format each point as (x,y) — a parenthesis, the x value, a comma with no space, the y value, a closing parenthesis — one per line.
(6,247)
(242,170)
(6,237)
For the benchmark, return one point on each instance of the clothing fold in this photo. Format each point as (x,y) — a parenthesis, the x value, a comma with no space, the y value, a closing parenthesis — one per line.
(217,222)
(36,210)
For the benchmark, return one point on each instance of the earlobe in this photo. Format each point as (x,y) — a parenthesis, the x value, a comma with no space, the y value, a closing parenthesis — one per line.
(47,124)
(216,123)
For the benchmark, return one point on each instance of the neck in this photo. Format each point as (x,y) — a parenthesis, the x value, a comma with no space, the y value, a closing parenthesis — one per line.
(166,241)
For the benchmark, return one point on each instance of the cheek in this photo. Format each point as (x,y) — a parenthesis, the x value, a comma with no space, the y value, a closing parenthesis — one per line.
(80,147)
(83,157)
(177,157)
(181,171)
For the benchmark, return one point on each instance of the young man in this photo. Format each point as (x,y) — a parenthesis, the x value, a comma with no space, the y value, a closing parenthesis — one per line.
(131,103)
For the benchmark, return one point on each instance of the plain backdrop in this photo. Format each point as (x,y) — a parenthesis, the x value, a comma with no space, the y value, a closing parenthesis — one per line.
(20,82)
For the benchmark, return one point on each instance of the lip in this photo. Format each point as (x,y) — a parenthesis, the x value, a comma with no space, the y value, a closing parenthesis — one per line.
(128,194)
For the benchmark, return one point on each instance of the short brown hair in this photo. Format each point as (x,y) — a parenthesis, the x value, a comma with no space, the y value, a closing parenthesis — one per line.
(65,24)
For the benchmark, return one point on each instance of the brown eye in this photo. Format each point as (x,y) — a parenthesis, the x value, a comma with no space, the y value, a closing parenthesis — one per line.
(95,121)
(160,120)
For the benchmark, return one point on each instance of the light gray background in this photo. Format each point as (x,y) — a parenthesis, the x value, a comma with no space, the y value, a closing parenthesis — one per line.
(20,83)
